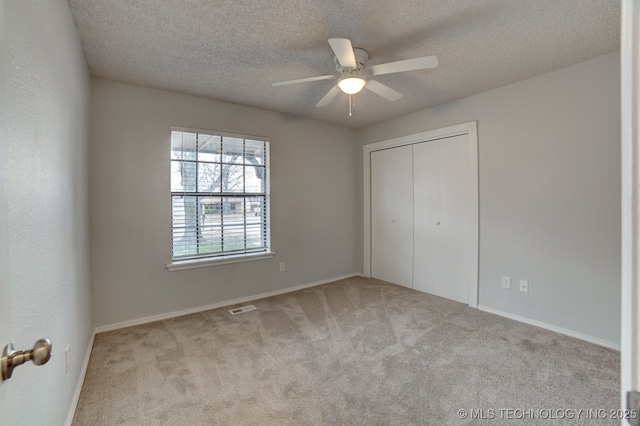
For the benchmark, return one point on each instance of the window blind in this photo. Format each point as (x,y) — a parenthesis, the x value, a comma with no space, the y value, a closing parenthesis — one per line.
(219,194)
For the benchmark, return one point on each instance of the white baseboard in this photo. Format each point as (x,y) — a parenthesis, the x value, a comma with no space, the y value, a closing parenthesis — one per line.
(174,314)
(550,327)
(83,373)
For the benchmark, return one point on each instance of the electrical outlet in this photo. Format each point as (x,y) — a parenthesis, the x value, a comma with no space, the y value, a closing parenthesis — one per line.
(524,286)
(281,266)
(506,283)
(67,358)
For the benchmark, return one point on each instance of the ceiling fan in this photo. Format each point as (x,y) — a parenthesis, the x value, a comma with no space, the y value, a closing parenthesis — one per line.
(353,74)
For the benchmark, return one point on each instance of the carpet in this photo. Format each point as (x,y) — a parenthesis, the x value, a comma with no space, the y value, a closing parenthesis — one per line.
(354,352)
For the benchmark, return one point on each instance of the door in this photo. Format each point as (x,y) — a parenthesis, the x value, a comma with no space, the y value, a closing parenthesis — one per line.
(630,107)
(392,215)
(441,209)
(5,289)
(426,213)
(454,223)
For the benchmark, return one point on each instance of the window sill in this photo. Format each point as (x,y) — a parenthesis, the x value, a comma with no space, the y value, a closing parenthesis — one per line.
(203,263)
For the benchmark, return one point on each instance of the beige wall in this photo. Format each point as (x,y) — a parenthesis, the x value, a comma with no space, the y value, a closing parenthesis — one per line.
(47,102)
(549,172)
(313,185)
(549,198)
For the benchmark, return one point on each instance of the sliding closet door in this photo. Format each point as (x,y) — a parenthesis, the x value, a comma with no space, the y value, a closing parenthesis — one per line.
(454,224)
(426,211)
(392,215)
(441,207)
(421,211)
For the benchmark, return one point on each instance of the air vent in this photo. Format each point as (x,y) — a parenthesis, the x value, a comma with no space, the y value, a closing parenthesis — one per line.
(242,310)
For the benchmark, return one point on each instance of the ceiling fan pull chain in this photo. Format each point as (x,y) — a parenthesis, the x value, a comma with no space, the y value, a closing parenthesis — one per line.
(350,105)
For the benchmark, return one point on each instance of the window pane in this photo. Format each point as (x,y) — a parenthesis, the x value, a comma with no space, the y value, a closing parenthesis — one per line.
(255,206)
(176,176)
(188,176)
(255,234)
(210,222)
(184,225)
(232,210)
(232,150)
(211,238)
(254,178)
(254,152)
(232,178)
(209,148)
(233,236)
(209,177)
(212,208)
(183,167)
(183,142)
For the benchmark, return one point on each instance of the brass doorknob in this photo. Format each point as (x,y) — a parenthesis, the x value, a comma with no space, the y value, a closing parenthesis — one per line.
(40,354)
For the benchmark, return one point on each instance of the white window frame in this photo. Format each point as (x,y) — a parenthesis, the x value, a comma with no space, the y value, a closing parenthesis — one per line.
(218,258)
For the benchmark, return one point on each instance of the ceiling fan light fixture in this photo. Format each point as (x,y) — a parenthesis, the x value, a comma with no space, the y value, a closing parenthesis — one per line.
(352,85)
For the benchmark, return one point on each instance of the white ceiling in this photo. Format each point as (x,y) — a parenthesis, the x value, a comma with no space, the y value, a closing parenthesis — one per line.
(232,50)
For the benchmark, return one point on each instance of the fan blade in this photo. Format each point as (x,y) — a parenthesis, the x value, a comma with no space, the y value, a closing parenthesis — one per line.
(344,52)
(380,89)
(303,80)
(326,100)
(406,65)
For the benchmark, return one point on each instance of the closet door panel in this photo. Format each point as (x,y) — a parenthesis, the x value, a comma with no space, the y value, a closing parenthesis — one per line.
(392,215)
(454,227)
(426,216)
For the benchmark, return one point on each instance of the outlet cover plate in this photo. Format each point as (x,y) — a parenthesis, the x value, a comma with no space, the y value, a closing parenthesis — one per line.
(506,283)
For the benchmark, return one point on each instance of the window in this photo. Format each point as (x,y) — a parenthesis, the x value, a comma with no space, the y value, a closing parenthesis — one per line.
(219,195)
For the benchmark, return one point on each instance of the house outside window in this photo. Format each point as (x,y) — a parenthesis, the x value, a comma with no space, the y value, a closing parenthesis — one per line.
(219,195)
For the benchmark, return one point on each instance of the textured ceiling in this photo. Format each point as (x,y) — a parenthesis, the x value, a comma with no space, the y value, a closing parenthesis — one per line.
(232,50)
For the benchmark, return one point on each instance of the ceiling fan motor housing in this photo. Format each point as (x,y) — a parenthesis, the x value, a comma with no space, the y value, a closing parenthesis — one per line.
(362,58)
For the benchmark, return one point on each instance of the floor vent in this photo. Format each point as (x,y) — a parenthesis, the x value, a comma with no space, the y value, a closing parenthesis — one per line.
(242,310)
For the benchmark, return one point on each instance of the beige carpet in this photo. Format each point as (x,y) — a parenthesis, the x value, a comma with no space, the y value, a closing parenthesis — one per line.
(353,352)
